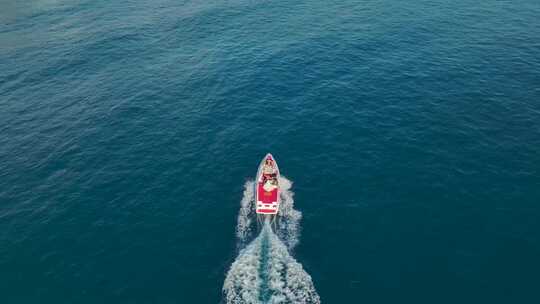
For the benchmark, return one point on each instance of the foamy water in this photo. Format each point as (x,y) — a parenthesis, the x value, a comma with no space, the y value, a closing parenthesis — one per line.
(246,215)
(265,271)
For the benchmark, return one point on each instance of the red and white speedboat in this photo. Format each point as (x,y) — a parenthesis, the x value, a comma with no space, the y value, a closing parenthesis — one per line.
(267,186)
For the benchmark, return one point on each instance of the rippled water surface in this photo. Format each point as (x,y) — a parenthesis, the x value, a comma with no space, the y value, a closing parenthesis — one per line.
(128,129)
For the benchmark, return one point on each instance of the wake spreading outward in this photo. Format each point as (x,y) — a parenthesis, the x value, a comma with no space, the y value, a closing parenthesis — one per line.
(265,271)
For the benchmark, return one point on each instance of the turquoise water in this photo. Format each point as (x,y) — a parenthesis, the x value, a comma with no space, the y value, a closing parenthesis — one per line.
(410,131)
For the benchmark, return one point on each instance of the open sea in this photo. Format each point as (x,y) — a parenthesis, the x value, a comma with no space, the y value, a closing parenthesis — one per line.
(408,134)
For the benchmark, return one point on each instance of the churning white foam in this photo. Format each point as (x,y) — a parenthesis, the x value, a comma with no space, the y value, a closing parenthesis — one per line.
(288,224)
(243,280)
(265,271)
(246,215)
(289,221)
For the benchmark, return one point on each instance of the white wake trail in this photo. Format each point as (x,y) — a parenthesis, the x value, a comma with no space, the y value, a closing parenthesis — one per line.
(289,283)
(265,271)
(244,227)
(289,222)
(243,279)
(288,228)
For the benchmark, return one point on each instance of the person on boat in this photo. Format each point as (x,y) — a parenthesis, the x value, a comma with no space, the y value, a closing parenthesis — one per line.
(268,167)
(270,184)
(268,170)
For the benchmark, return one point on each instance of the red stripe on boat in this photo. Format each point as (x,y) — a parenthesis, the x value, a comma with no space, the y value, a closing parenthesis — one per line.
(266,211)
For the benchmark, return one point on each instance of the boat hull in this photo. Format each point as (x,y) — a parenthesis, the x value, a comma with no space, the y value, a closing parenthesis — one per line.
(267,202)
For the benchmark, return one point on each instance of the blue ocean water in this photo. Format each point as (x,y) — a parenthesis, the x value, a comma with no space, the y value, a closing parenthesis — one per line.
(410,131)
